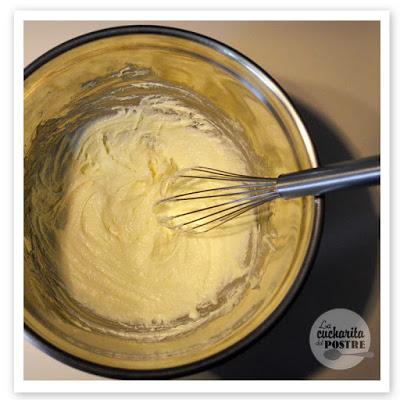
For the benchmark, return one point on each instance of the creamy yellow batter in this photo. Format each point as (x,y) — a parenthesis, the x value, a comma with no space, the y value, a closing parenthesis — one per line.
(112,254)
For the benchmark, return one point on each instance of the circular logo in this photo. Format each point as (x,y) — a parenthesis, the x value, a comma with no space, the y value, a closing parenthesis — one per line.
(340,339)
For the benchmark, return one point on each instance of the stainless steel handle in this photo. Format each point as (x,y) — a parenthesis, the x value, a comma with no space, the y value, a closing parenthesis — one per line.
(321,180)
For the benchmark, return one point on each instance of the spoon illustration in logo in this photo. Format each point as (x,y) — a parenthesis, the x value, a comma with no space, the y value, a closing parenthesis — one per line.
(335,354)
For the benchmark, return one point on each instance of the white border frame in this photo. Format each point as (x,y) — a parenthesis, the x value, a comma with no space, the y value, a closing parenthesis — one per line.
(211,386)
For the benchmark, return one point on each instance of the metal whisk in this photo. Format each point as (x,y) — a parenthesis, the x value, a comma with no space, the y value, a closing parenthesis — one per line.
(201,198)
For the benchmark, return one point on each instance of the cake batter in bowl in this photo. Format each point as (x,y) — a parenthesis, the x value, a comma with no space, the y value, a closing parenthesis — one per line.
(108,117)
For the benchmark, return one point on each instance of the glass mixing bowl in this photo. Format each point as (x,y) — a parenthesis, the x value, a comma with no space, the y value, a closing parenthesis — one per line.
(84,78)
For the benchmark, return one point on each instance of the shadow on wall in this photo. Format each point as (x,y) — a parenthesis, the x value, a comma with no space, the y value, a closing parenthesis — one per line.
(342,276)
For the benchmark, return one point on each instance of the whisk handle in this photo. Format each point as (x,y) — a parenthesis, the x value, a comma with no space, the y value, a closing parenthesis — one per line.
(316,181)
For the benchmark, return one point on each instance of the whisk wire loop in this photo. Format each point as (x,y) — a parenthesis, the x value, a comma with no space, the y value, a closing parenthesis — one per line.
(250,192)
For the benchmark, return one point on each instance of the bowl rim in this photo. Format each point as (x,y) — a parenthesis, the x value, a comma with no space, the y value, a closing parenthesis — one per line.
(228,353)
